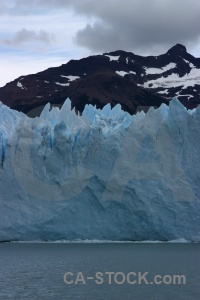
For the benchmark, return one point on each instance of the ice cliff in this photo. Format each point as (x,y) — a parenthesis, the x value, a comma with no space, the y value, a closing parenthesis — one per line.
(102,175)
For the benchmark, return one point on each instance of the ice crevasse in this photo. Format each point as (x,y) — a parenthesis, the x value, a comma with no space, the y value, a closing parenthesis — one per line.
(103,175)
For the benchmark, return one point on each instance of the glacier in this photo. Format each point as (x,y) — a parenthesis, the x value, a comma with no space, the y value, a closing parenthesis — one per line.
(102,175)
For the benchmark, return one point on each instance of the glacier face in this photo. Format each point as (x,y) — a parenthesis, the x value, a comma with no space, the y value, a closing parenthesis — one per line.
(102,175)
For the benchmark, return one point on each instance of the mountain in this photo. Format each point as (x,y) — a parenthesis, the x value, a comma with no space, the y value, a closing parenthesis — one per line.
(117,77)
(104,175)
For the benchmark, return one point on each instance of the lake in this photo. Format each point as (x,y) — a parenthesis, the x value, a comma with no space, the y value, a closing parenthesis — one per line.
(94,271)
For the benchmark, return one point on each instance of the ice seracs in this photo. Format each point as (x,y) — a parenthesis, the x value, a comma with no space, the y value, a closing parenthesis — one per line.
(102,175)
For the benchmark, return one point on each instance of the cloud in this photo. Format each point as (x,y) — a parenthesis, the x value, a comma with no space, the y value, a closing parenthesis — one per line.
(140,25)
(24,7)
(133,25)
(136,25)
(24,36)
(2,8)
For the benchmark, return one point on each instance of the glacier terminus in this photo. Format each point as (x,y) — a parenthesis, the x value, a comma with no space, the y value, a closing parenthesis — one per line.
(104,174)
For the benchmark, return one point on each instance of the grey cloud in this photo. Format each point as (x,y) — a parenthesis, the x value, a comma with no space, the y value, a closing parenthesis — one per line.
(25,36)
(2,8)
(33,7)
(135,25)
(142,26)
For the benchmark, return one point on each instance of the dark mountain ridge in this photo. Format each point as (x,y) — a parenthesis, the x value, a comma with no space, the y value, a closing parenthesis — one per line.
(116,77)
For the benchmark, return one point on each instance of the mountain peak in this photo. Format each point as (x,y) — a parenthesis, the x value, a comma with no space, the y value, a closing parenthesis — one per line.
(114,77)
(178,48)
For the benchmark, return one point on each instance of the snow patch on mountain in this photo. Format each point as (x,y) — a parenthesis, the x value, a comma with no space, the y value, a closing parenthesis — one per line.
(190,64)
(70,77)
(63,84)
(163,92)
(173,80)
(122,73)
(20,85)
(111,57)
(159,70)
(185,95)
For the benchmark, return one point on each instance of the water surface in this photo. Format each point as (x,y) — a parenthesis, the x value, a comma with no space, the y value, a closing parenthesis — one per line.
(36,271)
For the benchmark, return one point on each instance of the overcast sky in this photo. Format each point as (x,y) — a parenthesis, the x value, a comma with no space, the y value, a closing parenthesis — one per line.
(37,34)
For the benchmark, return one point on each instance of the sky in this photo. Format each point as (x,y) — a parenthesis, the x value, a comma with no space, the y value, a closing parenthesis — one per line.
(38,34)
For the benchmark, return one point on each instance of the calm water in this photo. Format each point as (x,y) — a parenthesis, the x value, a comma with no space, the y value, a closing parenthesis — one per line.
(36,271)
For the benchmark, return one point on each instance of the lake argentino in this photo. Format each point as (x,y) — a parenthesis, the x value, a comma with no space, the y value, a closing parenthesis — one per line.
(60,271)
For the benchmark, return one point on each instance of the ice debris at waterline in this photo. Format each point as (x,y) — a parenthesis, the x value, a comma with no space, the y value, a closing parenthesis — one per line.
(104,175)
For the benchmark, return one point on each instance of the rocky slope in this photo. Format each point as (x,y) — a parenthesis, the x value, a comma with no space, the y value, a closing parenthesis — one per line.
(117,77)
